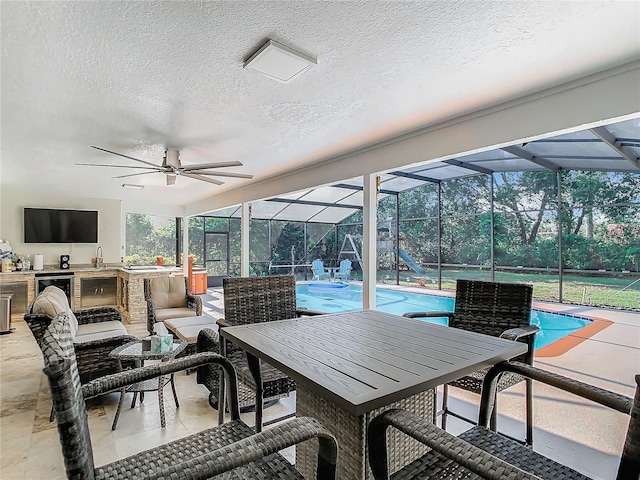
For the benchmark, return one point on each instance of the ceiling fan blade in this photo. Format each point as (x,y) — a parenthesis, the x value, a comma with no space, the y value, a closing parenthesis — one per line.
(204,166)
(134,174)
(117,166)
(225,174)
(126,156)
(203,178)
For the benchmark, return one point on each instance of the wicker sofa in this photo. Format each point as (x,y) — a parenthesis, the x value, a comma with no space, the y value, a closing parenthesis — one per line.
(96,331)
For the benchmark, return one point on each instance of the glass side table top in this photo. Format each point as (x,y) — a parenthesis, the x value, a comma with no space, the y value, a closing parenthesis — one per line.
(133,351)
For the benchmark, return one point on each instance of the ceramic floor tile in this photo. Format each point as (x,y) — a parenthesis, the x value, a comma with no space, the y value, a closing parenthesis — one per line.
(15,441)
(14,472)
(143,417)
(45,460)
(137,441)
(20,369)
(102,441)
(26,402)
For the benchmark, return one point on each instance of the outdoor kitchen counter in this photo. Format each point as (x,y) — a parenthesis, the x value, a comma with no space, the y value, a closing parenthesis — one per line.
(129,297)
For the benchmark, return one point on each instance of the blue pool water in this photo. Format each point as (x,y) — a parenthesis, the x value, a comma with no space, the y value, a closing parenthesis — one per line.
(553,326)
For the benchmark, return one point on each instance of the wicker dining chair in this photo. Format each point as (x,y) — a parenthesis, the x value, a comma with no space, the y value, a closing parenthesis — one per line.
(496,309)
(490,455)
(229,451)
(253,300)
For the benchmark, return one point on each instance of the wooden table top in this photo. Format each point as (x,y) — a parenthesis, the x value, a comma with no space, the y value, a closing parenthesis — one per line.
(368,359)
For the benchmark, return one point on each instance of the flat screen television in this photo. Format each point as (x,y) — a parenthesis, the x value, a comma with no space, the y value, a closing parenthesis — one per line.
(48,225)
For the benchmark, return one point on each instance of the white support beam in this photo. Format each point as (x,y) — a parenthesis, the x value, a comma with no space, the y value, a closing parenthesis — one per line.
(185,247)
(244,239)
(369,237)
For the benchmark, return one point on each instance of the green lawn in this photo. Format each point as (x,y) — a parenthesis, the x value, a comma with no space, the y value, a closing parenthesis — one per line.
(603,291)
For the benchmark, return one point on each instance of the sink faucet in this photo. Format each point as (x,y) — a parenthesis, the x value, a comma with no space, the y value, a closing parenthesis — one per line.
(99,259)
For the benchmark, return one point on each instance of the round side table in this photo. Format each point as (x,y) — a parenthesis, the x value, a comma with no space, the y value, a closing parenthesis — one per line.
(133,351)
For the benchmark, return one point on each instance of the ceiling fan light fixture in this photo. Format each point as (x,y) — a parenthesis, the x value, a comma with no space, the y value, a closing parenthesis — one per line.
(171,178)
(132,186)
(279,62)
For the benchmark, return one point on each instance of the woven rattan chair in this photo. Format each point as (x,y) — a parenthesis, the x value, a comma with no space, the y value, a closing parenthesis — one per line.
(169,297)
(229,451)
(253,300)
(496,309)
(488,454)
(93,353)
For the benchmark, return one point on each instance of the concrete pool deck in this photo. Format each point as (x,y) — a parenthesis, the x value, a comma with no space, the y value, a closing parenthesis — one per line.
(587,437)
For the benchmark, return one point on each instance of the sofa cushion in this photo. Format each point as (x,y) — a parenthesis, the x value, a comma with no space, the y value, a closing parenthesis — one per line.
(167,313)
(53,301)
(89,332)
(168,292)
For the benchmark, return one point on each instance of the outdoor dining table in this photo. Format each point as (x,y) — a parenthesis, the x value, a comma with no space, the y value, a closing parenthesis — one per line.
(351,366)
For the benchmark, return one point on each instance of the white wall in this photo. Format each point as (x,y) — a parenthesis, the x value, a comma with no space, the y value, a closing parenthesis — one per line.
(13,200)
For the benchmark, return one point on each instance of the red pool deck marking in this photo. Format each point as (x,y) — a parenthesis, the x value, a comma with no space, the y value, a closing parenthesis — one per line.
(565,344)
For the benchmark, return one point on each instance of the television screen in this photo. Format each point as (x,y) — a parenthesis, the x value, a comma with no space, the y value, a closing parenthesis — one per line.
(46,225)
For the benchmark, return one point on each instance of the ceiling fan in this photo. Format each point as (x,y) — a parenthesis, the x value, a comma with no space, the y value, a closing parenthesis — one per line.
(172,167)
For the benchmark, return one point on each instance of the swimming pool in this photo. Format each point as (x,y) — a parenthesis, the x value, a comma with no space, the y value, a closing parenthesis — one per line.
(553,326)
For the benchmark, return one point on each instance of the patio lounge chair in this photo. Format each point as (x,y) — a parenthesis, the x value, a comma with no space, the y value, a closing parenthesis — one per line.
(496,309)
(230,451)
(344,273)
(319,272)
(169,297)
(489,454)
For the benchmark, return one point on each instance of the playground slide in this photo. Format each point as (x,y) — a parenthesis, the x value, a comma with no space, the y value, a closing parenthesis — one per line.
(411,262)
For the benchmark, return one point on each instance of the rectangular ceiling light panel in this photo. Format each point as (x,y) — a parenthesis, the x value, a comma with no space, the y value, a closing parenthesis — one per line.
(279,62)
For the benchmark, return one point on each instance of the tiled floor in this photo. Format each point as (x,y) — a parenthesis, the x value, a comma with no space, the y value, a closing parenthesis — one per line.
(585,436)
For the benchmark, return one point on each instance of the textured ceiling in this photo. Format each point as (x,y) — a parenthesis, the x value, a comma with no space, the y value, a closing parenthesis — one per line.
(136,77)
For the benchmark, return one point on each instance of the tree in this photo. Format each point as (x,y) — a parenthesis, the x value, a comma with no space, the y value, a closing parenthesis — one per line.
(527,195)
(292,235)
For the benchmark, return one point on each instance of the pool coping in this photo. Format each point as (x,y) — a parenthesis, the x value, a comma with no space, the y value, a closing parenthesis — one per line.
(566,343)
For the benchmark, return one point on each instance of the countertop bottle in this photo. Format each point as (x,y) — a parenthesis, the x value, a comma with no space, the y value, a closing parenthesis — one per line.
(19,265)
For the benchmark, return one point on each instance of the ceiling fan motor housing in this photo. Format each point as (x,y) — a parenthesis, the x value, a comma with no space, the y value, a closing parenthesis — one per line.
(171,158)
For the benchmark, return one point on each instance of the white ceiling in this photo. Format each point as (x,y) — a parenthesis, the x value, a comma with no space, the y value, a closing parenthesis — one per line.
(135,77)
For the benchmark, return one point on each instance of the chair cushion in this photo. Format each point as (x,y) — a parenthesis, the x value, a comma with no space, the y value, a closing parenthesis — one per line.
(53,301)
(99,331)
(167,313)
(168,292)
(174,323)
(189,334)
